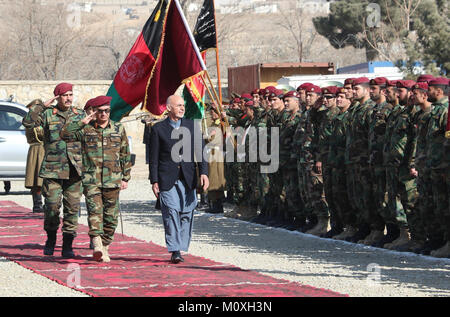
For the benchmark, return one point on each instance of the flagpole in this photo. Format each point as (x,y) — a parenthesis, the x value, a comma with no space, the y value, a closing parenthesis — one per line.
(191,37)
(217,55)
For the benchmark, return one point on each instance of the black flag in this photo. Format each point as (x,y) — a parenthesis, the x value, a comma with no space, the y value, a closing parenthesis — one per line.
(205,28)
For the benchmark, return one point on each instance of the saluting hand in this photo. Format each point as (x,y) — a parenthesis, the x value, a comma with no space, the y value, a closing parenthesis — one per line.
(88,118)
(50,101)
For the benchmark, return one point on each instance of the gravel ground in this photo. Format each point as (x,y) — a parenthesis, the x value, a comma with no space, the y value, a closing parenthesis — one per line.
(343,267)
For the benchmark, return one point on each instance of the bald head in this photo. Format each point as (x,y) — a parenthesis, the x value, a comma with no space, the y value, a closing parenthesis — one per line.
(175,107)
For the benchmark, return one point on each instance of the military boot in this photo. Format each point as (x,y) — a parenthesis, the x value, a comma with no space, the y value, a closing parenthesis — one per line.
(443,252)
(392,233)
(105,257)
(347,232)
(49,247)
(374,235)
(37,203)
(321,227)
(430,245)
(67,251)
(362,233)
(411,246)
(403,238)
(98,248)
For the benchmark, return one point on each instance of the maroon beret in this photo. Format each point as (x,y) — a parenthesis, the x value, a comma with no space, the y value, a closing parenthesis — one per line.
(408,84)
(249,103)
(349,81)
(304,86)
(361,81)
(277,93)
(269,89)
(62,88)
(236,100)
(330,90)
(314,88)
(262,91)
(391,83)
(341,90)
(255,92)
(246,96)
(98,101)
(292,93)
(421,85)
(438,81)
(378,81)
(425,78)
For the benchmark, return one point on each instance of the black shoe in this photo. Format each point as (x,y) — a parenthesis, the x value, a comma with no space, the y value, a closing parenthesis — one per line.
(216,207)
(176,257)
(7,187)
(49,247)
(67,251)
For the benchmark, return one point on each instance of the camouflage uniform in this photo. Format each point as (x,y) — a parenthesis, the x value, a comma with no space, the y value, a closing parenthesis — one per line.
(350,159)
(61,171)
(367,211)
(437,162)
(315,186)
(325,131)
(377,129)
(398,157)
(106,163)
(336,161)
(288,166)
(275,196)
(425,223)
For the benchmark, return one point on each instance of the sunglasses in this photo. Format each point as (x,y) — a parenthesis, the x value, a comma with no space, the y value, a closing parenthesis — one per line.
(103,110)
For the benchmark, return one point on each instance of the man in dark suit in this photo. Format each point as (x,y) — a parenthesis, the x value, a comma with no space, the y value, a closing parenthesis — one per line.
(176,152)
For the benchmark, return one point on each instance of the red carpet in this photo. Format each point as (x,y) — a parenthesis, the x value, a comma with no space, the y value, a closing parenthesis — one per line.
(137,268)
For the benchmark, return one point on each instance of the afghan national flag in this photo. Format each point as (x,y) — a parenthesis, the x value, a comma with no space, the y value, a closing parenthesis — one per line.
(164,55)
(205,38)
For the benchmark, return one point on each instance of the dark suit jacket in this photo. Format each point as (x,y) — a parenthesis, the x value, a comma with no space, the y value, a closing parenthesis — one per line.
(164,170)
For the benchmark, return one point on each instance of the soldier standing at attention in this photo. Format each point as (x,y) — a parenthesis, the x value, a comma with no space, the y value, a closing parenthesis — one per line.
(377,129)
(325,130)
(61,171)
(106,170)
(437,158)
(398,156)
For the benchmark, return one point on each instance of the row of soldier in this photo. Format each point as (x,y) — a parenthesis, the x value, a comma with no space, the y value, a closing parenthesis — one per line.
(365,163)
(74,152)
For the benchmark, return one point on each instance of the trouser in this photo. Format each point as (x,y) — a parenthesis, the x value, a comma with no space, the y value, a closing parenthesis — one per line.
(69,190)
(303,191)
(294,204)
(103,212)
(275,193)
(314,191)
(439,183)
(344,209)
(400,184)
(370,209)
(335,219)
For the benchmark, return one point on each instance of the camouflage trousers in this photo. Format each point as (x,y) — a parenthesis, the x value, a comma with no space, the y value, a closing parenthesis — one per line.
(293,202)
(399,184)
(252,189)
(315,195)
(341,203)
(67,190)
(352,190)
(103,212)
(425,222)
(264,191)
(275,198)
(238,178)
(327,172)
(302,190)
(440,184)
(370,208)
(379,192)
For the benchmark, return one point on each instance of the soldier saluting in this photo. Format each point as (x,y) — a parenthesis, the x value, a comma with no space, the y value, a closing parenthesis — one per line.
(106,170)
